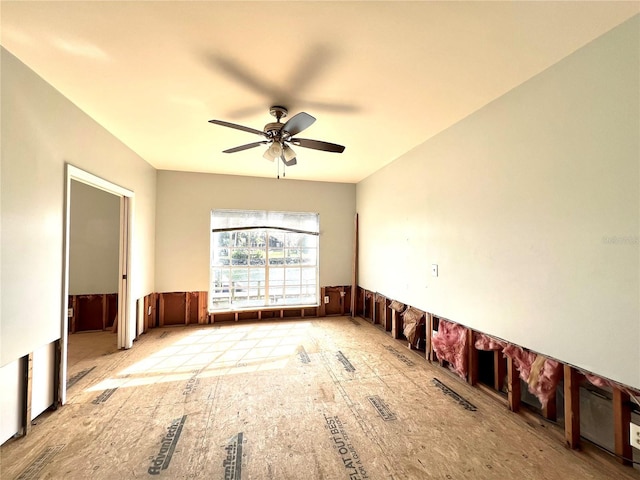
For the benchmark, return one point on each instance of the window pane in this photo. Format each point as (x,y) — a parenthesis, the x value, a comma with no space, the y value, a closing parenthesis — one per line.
(292,276)
(308,256)
(254,267)
(308,275)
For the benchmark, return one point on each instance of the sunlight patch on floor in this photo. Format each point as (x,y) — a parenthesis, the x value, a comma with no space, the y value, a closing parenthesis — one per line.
(214,352)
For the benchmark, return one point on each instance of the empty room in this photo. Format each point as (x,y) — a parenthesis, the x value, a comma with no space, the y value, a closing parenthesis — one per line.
(320,240)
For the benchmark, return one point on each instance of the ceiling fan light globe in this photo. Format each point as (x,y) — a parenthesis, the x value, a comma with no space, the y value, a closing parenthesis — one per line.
(268,155)
(275,149)
(288,153)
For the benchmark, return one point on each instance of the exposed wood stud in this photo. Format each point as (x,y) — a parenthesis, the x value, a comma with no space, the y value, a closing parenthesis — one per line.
(202,308)
(105,305)
(27,365)
(154,308)
(472,352)
(74,311)
(385,316)
(57,369)
(374,313)
(431,356)
(499,370)
(145,310)
(621,420)
(513,386)
(394,324)
(161,310)
(323,308)
(187,308)
(571,407)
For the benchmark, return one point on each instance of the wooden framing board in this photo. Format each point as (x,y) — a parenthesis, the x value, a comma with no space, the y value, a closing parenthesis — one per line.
(431,354)
(187,308)
(74,313)
(57,369)
(27,366)
(572,407)
(396,325)
(323,309)
(161,310)
(621,420)
(203,314)
(105,310)
(513,385)
(472,359)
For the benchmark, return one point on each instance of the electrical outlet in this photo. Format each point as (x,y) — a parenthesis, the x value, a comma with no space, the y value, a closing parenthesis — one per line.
(326,299)
(634,435)
(70,312)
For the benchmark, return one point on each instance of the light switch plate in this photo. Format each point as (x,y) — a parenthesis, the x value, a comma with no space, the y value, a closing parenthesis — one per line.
(434,270)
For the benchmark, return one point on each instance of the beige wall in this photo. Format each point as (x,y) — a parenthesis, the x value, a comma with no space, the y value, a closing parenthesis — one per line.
(184,205)
(94,240)
(531,209)
(41,131)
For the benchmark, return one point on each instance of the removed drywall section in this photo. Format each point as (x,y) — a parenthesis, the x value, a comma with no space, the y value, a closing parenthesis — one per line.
(94,240)
(530,209)
(184,205)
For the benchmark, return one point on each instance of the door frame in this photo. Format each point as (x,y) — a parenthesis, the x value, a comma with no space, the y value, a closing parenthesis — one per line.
(126,322)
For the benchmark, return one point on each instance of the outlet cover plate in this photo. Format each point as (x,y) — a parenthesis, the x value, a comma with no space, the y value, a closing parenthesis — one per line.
(634,434)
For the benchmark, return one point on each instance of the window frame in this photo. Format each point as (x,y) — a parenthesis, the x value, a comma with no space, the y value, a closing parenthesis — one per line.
(266,233)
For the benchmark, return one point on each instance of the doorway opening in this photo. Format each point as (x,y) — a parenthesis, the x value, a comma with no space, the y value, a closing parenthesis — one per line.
(97,257)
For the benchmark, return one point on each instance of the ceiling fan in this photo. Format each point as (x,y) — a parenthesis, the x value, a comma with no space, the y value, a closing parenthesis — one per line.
(278,135)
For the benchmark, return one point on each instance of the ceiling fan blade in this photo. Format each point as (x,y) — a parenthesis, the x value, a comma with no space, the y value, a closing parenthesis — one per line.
(289,163)
(298,123)
(317,145)
(243,75)
(244,147)
(238,127)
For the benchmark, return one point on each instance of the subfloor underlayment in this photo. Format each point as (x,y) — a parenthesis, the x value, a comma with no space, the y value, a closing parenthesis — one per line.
(333,398)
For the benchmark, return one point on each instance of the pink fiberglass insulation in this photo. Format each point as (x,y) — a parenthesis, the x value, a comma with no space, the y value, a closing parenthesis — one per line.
(599,381)
(450,344)
(541,374)
(485,342)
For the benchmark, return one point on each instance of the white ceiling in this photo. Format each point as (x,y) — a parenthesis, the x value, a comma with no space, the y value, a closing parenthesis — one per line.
(380,77)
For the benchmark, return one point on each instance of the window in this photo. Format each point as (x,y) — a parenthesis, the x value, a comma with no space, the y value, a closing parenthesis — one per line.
(261,259)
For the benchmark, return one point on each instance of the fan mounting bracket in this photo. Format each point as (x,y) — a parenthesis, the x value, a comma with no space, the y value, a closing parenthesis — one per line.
(278,112)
